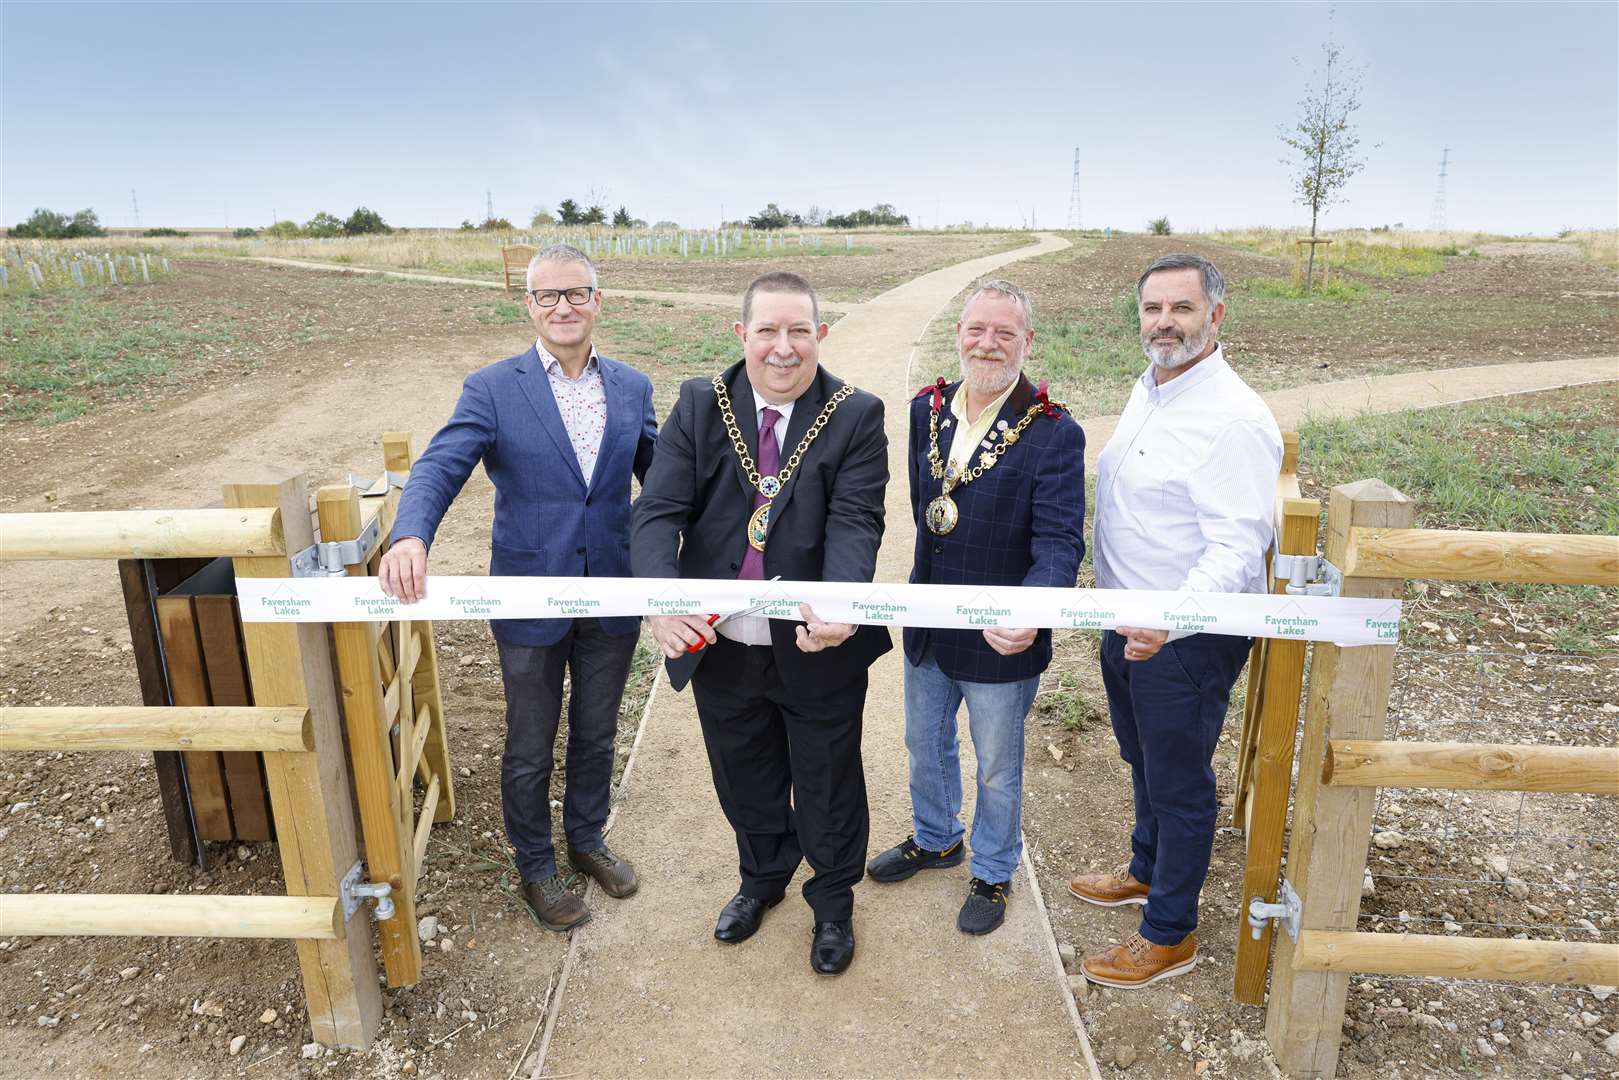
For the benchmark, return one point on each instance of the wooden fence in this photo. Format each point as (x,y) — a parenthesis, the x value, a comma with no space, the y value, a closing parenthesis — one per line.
(1345,758)
(383,694)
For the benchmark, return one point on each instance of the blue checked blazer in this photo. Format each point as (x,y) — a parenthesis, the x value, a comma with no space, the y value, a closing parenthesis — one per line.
(1021,523)
(547,522)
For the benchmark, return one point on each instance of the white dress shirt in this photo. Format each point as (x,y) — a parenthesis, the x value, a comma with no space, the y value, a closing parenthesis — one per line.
(1186,487)
(755,629)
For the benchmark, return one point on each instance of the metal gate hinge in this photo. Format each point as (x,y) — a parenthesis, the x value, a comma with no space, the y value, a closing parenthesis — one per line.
(1302,571)
(354,893)
(390,479)
(1289,910)
(332,558)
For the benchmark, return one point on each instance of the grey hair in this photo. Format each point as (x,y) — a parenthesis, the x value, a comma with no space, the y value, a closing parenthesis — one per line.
(1213,280)
(780,281)
(566,253)
(999,287)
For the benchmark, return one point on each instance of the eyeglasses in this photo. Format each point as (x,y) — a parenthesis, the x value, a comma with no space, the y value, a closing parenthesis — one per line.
(576,296)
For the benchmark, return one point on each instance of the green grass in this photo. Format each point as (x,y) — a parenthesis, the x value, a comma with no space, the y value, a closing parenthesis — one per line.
(64,350)
(500,313)
(1284,289)
(670,348)
(1503,468)
(1091,365)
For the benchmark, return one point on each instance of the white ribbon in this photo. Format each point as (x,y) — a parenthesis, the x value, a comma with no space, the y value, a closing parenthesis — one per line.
(1343,620)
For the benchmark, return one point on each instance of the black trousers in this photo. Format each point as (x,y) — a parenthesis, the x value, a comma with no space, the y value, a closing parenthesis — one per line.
(598,664)
(788,774)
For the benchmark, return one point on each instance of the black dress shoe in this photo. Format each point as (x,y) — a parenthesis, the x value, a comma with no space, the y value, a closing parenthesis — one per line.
(740,918)
(832,948)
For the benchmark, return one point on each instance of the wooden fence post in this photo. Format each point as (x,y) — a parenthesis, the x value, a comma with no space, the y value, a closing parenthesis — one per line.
(385,811)
(1348,699)
(290,664)
(1271,769)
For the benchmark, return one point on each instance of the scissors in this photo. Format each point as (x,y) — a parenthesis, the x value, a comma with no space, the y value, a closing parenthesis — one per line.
(715,620)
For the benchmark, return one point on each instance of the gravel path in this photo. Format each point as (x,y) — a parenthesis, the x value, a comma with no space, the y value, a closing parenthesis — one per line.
(650,993)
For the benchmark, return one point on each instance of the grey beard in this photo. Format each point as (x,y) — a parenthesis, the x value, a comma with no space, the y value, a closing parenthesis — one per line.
(1178,355)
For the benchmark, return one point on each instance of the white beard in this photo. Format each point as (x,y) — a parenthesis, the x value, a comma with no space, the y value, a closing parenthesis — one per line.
(994,380)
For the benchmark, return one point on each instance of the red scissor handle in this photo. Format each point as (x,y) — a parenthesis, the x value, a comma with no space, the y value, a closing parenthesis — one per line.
(711,620)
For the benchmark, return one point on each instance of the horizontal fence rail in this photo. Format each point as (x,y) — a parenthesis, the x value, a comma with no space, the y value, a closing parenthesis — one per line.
(1456,555)
(1507,959)
(1591,770)
(147,727)
(143,534)
(315,918)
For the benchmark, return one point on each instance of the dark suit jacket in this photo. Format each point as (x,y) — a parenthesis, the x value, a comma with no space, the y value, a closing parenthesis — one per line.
(1021,523)
(547,522)
(691,518)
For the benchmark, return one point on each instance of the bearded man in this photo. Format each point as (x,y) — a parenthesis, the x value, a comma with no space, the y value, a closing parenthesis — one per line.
(998,493)
(1184,501)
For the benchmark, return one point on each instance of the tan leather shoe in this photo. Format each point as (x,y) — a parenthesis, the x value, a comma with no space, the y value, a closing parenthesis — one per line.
(1138,962)
(556,907)
(1109,890)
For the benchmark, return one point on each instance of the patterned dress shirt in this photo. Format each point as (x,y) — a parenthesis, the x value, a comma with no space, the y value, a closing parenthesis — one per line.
(583,405)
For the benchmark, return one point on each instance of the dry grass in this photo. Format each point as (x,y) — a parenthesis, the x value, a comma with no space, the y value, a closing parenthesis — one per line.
(1378,254)
(1600,246)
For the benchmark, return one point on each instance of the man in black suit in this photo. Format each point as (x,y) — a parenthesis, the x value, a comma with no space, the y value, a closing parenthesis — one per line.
(780,702)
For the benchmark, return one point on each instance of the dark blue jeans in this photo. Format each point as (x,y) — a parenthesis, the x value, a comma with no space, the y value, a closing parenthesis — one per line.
(1167,713)
(598,664)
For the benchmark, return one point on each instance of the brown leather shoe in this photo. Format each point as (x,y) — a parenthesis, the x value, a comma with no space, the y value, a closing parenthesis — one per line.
(557,908)
(1138,962)
(1109,890)
(615,876)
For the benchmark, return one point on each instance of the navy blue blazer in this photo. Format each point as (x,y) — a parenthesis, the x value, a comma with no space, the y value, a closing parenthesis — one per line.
(547,522)
(1021,523)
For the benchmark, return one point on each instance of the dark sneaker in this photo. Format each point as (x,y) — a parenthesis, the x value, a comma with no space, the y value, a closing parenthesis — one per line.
(985,908)
(615,876)
(905,859)
(557,908)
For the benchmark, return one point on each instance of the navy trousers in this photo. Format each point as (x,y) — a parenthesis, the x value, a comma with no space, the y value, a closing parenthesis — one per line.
(1167,712)
(598,664)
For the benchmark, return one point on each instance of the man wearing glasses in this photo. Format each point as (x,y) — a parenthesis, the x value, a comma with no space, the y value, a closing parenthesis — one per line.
(559,429)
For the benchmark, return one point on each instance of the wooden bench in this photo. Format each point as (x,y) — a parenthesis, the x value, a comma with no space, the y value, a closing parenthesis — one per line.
(514,259)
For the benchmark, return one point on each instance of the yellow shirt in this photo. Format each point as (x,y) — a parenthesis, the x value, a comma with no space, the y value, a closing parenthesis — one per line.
(964,445)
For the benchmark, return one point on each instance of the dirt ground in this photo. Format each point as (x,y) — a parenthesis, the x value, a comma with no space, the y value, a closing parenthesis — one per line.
(1521,304)
(317,367)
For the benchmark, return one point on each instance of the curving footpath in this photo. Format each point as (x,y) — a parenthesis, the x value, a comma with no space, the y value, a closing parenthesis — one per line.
(646,991)
(650,993)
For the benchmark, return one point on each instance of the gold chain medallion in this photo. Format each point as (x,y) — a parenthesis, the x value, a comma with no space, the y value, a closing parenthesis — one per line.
(771,486)
(942,512)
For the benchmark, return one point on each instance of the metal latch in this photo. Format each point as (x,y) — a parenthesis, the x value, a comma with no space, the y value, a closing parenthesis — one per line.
(1289,910)
(390,479)
(354,893)
(332,558)
(1302,571)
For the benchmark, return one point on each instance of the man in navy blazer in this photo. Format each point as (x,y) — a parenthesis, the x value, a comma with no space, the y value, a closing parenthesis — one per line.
(998,492)
(559,429)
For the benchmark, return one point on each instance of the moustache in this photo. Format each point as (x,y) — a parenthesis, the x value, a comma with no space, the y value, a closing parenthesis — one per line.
(981,355)
(783,361)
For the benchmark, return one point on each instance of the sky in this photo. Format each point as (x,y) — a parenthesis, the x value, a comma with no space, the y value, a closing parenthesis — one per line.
(226,113)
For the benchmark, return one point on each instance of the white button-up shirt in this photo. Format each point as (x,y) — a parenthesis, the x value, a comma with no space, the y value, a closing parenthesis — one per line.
(1186,487)
(755,629)
(582,403)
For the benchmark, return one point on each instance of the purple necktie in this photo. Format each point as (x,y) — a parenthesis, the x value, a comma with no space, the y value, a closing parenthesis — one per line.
(753,561)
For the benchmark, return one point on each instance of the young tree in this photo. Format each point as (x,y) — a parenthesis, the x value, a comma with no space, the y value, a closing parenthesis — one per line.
(1159,226)
(569,213)
(1324,140)
(622,219)
(85,223)
(542,216)
(596,215)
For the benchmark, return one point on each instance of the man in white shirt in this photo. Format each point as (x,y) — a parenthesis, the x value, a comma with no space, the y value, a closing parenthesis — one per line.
(1184,501)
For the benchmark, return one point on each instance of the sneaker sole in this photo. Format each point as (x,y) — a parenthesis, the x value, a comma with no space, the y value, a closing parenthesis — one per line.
(986,930)
(912,871)
(1126,902)
(1167,973)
